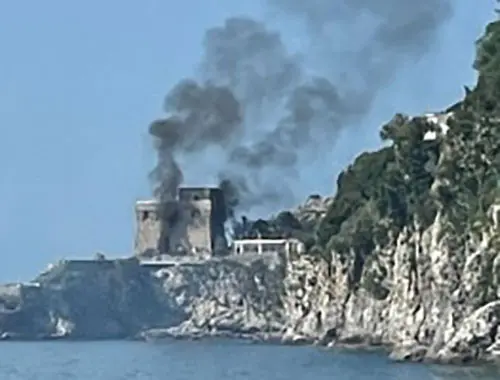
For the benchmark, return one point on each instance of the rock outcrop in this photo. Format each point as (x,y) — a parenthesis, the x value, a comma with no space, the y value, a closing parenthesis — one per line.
(84,300)
(110,299)
(234,296)
(412,296)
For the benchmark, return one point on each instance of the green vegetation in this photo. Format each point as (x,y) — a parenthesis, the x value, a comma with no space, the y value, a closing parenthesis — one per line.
(383,190)
(407,182)
(285,224)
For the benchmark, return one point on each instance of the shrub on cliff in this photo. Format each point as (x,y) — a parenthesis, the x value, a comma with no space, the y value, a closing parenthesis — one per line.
(285,224)
(414,177)
(390,184)
(471,166)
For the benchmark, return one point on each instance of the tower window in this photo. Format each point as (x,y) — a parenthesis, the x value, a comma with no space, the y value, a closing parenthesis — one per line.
(145,215)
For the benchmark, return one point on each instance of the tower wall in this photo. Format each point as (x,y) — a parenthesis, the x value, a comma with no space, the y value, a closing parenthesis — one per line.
(198,226)
(147,225)
(207,215)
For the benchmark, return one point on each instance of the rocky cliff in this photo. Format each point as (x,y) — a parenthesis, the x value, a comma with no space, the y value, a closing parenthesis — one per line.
(110,299)
(84,300)
(404,255)
(408,252)
(412,296)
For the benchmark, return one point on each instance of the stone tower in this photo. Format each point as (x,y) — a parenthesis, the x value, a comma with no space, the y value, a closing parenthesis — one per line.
(197,225)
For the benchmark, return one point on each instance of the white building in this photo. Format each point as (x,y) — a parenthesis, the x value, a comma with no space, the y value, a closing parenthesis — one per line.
(260,246)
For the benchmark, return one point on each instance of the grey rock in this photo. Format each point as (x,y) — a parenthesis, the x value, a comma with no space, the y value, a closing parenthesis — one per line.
(409,352)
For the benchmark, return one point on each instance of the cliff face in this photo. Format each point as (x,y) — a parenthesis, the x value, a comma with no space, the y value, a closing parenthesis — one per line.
(231,296)
(421,294)
(87,300)
(121,299)
(407,253)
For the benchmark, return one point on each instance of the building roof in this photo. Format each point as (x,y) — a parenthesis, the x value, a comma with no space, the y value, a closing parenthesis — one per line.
(147,205)
(147,202)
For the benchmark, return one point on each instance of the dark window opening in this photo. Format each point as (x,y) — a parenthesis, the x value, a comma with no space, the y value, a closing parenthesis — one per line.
(145,215)
(196,197)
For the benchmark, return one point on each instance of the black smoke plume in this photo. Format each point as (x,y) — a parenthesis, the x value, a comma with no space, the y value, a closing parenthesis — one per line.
(271,111)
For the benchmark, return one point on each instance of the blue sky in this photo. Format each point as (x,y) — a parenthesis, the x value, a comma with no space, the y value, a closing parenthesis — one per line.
(81,81)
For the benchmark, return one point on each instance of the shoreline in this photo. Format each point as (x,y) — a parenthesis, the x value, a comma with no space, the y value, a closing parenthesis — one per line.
(158,336)
(382,349)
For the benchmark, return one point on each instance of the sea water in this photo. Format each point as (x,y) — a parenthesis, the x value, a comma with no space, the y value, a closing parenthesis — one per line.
(211,360)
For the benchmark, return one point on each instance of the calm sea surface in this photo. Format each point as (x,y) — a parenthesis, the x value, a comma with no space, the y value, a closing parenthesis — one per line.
(209,360)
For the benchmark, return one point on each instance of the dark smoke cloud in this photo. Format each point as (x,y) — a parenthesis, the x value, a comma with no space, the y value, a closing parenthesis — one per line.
(199,115)
(380,35)
(309,108)
(404,22)
(312,116)
(259,103)
(251,60)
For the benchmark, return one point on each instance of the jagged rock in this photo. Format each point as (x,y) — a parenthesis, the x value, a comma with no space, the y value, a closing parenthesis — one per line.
(313,209)
(411,351)
(477,336)
(86,300)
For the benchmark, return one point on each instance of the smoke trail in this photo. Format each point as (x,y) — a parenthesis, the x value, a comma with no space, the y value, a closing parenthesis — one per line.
(251,60)
(198,116)
(259,104)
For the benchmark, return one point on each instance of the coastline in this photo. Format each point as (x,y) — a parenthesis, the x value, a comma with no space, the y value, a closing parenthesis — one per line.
(265,299)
